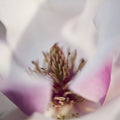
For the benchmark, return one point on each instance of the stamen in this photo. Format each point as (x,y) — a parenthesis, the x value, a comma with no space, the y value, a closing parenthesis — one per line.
(82,63)
(61,68)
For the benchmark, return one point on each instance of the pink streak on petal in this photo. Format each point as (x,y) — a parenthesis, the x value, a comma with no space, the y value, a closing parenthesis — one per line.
(31,99)
(94,87)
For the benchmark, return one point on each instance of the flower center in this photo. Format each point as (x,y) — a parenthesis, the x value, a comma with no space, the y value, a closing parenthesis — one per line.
(61,69)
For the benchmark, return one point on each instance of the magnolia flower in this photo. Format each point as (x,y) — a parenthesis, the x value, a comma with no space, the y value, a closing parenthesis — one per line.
(34,93)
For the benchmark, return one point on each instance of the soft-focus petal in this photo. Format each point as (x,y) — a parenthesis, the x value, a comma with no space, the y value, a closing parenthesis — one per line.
(5,59)
(8,110)
(28,93)
(2,32)
(5,54)
(68,6)
(44,30)
(114,90)
(37,116)
(109,27)
(93,83)
(30,99)
(110,111)
(16,15)
(80,30)
(14,114)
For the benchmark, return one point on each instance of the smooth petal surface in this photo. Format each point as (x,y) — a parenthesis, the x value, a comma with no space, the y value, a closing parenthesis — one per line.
(2,31)
(30,98)
(30,93)
(110,111)
(94,81)
(37,116)
(114,90)
(81,31)
(5,59)
(5,54)
(44,29)
(6,107)
(16,16)
(109,27)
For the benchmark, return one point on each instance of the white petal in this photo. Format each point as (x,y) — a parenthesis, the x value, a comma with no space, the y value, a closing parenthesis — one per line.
(94,80)
(5,59)
(43,31)
(67,6)
(8,111)
(81,30)
(21,87)
(2,32)
(109,111)
(37,116)
(16,15)
(109,27)
(108,42)
(114,90)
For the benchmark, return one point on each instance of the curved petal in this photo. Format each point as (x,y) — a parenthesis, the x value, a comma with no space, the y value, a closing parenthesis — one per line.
(68,6)
(109,27)
(30,93)
(2,31)
(16,15)
(114,90)
(37,116)
(5,59)
(110,111)
(45,29)
(81,30)
(42,32)
(9,111)
(30,98)
(94,81)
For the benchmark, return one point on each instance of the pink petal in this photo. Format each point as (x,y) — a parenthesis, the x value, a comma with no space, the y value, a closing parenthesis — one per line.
(29,99)
(114,90)
(93,83)
(44,29)
(30,93)
(94,86)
